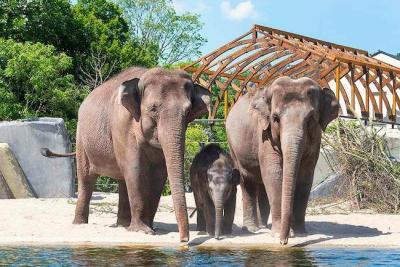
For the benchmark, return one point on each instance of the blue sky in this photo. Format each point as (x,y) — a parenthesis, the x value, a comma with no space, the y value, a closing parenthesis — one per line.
(371,25)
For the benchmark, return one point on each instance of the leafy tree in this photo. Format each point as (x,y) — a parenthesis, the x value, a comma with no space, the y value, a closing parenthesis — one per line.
(45,21)
(35,78)
(111,48)
(156,22)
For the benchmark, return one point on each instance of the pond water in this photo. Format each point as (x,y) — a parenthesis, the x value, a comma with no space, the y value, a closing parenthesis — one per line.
(122,256)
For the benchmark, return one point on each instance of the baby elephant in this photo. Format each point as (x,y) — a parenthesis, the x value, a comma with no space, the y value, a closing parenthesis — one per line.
(214,182)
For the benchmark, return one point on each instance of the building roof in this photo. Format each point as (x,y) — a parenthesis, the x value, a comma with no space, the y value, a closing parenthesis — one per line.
(262,54)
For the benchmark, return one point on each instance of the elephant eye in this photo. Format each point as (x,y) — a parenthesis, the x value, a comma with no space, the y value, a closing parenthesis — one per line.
(275,118)
(152,108)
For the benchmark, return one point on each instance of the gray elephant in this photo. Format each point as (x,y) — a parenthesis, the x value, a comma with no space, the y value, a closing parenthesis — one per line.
(275,136)
(132,128)
(214,181)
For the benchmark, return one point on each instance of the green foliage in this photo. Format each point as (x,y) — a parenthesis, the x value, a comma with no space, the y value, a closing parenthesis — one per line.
(35,77)
(195,134)
(111,48)
(45,21)
(9,108)
(155,22)
(106,184)
(53,52)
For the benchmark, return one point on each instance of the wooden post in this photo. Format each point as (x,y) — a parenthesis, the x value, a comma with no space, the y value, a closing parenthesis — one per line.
(337,80)
(353,96)
(367,90)
(393,76)
(380,93)
(226,103)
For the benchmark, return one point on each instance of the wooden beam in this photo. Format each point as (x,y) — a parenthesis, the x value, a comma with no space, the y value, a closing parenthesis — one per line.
(337,81)
(310,39)
(226,103)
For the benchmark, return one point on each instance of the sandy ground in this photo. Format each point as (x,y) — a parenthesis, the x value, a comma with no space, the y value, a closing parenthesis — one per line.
(48,221)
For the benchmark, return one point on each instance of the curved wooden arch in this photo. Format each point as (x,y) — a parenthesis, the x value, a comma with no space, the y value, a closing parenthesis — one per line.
(262,54)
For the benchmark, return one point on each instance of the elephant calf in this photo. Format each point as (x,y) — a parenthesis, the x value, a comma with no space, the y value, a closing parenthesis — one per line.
(214,180)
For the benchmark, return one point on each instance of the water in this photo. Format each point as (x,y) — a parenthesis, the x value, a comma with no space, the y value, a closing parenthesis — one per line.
(123,256)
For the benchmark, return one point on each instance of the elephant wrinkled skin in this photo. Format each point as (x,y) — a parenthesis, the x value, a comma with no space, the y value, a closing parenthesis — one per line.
(214,181)
(132,128)
(275,136)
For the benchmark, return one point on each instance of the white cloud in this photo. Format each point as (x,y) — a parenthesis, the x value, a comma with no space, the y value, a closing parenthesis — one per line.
(182,6)
(242,10)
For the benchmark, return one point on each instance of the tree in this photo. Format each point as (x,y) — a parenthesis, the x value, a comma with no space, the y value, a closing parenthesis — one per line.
(44,21)
(156,22)
(34,81)
(111,48)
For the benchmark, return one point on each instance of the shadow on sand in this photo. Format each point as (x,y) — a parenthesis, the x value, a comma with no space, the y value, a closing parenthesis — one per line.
(333,231)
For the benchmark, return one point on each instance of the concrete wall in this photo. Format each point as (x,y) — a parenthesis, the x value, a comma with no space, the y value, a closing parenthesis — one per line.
(48,177)
(323,170)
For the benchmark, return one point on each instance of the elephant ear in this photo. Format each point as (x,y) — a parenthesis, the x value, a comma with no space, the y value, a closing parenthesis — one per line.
(201,101)
(263,109)
(129,97)
(328,107)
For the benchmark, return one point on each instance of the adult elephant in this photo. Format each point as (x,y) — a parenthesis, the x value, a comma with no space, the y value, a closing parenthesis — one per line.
(132,128)
(274,135)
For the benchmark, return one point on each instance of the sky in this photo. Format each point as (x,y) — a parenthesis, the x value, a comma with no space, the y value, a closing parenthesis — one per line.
(370,25)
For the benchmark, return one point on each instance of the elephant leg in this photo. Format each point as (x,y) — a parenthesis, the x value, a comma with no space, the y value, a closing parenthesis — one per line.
(249,197)
(301,195)
(201,221)
(136,178)
(86,184)
(124,210)
(156,186)
(229,213)
(271,171)
(209,215)
(262,206)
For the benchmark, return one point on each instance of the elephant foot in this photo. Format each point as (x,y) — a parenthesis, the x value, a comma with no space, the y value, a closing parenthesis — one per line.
(80,220)
(200,228)
(227,231)
(250,228)
(262,226)
(123,222)
(141,228)
(202,233)
(298,231)
(275,231)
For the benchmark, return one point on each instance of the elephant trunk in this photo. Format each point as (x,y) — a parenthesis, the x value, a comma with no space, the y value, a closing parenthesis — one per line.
(292,146)
(173,144)
(218,219)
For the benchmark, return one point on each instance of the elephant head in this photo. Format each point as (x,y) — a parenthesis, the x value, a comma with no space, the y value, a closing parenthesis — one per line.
(293,113)
(222,181)
(163,102)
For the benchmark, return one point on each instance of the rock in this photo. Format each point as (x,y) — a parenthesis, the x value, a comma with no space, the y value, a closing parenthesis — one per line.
(322,170)
(329,188)
(13,175)
(5,192)
(49,177)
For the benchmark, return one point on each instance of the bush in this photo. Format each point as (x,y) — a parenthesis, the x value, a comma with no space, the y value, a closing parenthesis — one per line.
(361,156)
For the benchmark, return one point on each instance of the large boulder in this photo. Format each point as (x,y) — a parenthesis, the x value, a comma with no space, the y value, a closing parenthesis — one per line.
(47,177)
(13,176)
(5,192)
(330,188)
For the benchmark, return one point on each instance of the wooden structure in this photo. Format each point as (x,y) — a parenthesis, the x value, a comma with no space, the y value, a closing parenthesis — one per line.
(365,86)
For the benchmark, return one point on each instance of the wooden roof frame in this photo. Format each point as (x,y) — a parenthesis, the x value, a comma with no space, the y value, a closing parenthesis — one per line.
(262,54)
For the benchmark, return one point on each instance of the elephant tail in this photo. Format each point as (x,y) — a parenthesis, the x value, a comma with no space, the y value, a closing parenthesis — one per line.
(193,212)
(49,154)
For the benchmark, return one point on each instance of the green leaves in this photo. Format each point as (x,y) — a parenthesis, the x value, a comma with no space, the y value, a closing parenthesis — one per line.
(35,77)
(155,22)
